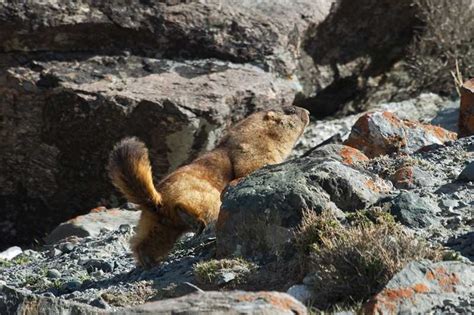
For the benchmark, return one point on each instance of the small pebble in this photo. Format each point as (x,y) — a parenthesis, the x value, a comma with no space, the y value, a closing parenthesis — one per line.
(53,274)
(467,173)
(67,247)
(49,294)
(72,285)
(125,228)
(100,303)
(53,252)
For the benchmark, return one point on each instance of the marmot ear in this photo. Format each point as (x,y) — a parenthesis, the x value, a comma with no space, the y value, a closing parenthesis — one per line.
(271,115)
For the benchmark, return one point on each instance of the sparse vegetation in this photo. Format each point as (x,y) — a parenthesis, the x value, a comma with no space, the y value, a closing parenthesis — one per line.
(19,260)
(445,40)
(352,263)
(208,272)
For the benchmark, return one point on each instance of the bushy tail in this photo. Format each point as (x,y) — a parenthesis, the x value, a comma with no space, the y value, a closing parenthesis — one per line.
(130,171)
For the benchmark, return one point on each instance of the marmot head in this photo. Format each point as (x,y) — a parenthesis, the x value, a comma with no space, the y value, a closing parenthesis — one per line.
(287,123)
(282,126)
(265,137)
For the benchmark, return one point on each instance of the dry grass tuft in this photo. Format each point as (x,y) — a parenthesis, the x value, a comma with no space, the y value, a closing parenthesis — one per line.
(443,44)
(352,263)
(209,272)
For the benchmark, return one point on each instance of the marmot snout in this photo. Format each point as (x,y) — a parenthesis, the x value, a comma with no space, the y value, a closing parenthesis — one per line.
(189,198)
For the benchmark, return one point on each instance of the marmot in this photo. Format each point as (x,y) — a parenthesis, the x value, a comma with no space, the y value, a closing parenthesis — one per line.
(189,198)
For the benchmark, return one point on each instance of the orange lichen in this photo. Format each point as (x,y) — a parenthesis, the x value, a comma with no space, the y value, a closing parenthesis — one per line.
(350,155)
(447,281)
(98,209)
(386,302)
(372,185)
(403,175)
(277,300)
(421,288)
(440,133)
(392,119)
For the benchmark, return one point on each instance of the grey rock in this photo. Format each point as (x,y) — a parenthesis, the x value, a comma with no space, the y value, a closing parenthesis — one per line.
(301,292)
(380,133)
(414,211)
(67,247)
(91,224)
(71,286)
(10,253)
(427,107)
(225,277)
(100,303)
(97,264)
(409,177)
(232,302)
(259,214)
(53,252)
(427,287)
(468,172)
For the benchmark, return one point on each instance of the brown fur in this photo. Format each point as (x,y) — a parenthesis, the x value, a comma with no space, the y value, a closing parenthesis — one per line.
(189,198)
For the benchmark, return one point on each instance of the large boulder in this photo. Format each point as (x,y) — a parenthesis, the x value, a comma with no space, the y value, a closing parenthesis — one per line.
(233,302)
(259,214)
(265,32)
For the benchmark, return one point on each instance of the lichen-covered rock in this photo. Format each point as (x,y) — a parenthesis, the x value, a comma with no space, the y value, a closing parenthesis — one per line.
(92,223)
(409,177)
(382,133)
(427,107)
(427,287)
(232,302)
(258,215)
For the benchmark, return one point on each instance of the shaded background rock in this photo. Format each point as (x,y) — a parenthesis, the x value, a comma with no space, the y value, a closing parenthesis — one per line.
(354,50)
(61,119)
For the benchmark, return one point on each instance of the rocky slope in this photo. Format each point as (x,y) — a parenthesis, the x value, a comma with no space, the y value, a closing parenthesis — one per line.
(76,76)
(429,192)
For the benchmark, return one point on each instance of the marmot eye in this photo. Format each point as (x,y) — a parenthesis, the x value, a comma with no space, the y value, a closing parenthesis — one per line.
(290,110)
